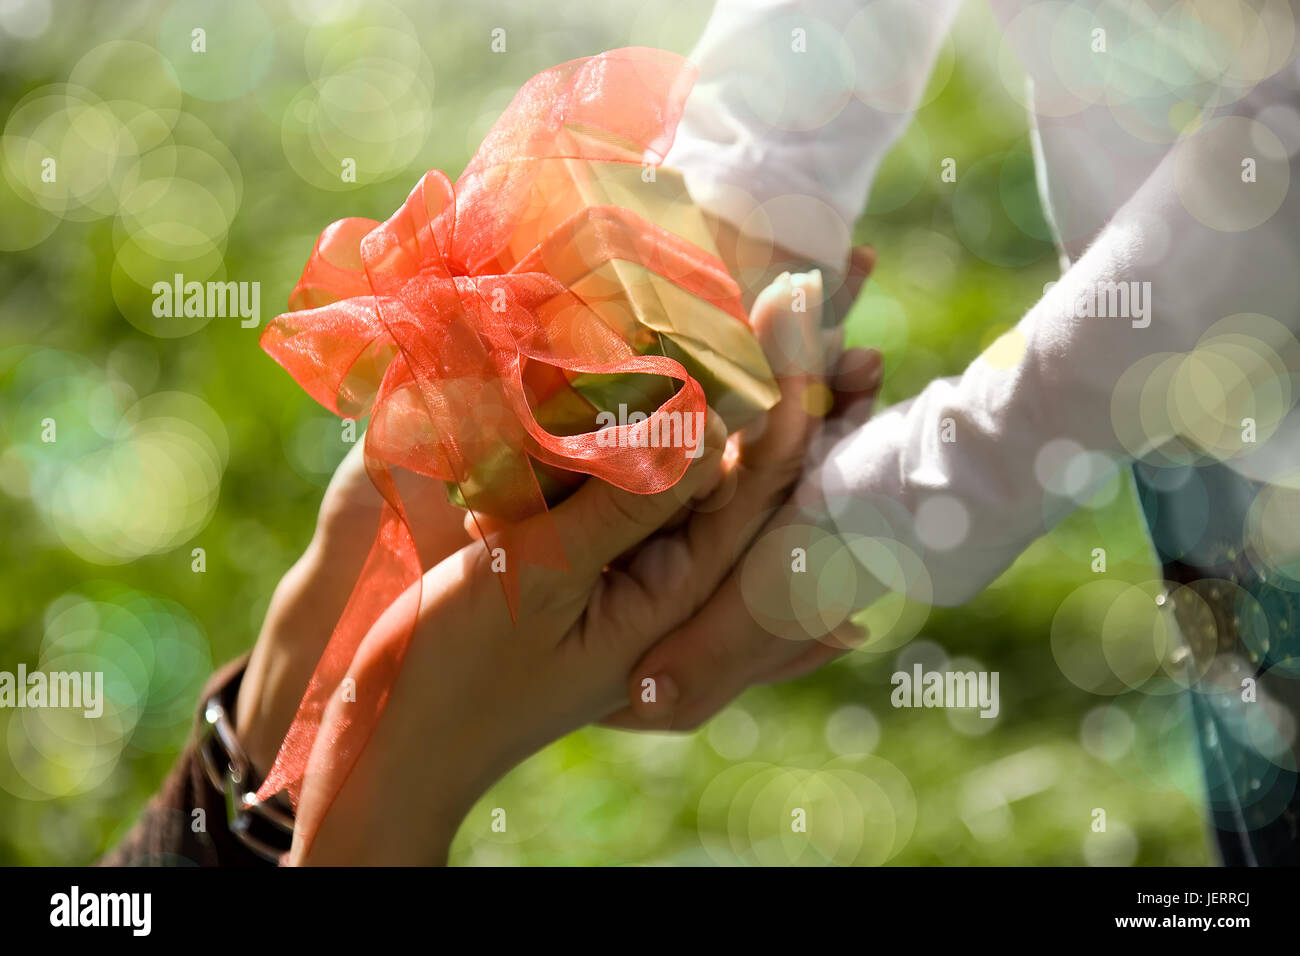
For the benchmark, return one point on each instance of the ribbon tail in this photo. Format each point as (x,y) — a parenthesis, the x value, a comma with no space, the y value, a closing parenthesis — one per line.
(391,568)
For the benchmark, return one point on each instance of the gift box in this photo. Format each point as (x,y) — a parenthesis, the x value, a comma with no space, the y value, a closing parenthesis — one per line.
(648,310)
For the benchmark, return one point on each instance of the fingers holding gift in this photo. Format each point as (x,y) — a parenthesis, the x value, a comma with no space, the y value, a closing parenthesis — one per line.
(716,663)
(761,462)
(862,260)
(766,462)
(599,521)
(786,319)
(765,458)
(758,465)
(816,655)
(786,609)
(857,377)
(795,587)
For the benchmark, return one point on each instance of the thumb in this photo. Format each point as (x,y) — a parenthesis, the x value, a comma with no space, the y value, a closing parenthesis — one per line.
(599,521)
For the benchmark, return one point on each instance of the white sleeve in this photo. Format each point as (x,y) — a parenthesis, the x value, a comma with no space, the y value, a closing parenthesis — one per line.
(969,472)
(796,103)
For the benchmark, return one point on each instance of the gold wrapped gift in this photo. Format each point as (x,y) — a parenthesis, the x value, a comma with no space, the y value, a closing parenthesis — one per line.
(649,311)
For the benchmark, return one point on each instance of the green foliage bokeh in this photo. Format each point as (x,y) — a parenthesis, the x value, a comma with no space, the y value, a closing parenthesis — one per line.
(598,796)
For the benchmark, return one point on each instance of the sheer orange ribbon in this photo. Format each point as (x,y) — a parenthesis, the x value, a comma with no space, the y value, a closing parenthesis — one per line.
(425,323)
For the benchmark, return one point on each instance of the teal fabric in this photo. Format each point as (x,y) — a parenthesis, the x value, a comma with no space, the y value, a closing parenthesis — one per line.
(1197,519)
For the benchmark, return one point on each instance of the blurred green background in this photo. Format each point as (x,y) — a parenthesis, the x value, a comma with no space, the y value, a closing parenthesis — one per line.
(173,434)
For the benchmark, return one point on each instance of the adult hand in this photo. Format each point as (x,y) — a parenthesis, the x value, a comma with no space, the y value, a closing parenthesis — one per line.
(477,692)
(767,622)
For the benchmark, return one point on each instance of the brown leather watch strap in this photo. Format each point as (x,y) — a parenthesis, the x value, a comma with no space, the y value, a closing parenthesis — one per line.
(185,823)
